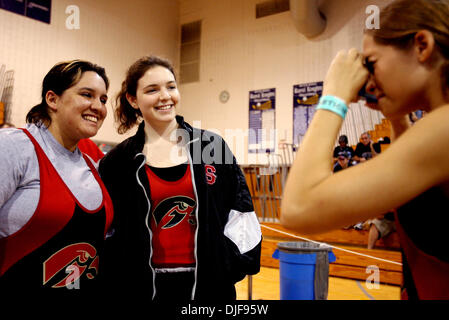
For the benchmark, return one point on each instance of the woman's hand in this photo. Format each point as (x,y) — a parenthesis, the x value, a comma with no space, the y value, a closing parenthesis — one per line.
(346,76)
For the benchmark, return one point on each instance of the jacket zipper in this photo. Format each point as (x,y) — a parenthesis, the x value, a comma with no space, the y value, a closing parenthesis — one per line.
(146,222)
(197,216)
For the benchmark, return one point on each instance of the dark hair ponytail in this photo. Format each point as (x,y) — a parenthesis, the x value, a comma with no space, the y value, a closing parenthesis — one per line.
(61,77)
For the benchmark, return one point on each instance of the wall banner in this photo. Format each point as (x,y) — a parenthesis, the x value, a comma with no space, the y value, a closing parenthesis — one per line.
(262,120)
(305,99)
(35,9)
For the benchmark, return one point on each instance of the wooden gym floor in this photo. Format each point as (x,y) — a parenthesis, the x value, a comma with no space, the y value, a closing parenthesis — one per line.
(266,287)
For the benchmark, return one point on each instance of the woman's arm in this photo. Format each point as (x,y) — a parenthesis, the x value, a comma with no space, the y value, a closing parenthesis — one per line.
(316,200)
(12,166)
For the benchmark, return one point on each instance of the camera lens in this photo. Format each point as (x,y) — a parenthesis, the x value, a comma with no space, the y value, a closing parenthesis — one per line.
(368,97)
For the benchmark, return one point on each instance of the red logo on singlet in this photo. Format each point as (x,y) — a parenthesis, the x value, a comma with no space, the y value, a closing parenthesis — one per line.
(66,266)
(210,174)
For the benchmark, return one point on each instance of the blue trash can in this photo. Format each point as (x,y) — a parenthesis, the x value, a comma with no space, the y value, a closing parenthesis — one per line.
(303,270)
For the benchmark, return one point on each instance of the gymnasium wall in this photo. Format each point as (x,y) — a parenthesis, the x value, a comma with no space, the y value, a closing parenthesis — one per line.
(240,53)
(111,33)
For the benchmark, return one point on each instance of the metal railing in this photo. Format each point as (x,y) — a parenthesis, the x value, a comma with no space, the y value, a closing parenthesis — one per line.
(266,184)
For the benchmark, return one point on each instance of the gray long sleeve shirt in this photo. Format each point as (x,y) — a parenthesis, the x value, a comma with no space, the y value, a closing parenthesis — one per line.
(19,176)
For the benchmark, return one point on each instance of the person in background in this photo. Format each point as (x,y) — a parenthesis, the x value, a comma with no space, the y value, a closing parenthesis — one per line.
(380,227)
(54,209)
(366,148)
(405,64)
(184,224)
(343,161)
(342,147)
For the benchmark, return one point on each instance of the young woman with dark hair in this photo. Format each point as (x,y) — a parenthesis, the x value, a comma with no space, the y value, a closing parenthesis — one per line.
(184,226)
(54,209)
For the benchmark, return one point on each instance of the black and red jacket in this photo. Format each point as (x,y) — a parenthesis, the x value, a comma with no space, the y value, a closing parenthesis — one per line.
(222,195)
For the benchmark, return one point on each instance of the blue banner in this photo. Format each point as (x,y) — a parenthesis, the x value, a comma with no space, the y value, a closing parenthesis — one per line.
(35,9)
(305,99)
(262,106)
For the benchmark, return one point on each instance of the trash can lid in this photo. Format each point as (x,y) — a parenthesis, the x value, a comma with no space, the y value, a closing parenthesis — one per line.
(303,246)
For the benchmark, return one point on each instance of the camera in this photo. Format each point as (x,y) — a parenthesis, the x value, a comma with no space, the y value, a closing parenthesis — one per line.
(370,98)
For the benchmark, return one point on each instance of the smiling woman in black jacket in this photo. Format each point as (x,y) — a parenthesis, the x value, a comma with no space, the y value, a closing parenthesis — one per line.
(185,227)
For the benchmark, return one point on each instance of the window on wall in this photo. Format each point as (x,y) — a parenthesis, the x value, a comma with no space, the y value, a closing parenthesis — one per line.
(190,52)
(271,7)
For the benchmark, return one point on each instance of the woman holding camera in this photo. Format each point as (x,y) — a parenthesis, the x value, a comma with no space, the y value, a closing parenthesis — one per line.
(405,64)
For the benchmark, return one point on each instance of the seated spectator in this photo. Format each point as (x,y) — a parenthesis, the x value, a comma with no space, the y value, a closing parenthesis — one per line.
(379,228)
(343,146)
(343,161)
(366,149)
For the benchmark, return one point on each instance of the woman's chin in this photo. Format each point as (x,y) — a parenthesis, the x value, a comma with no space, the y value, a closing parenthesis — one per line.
(90,132)
(374,106)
